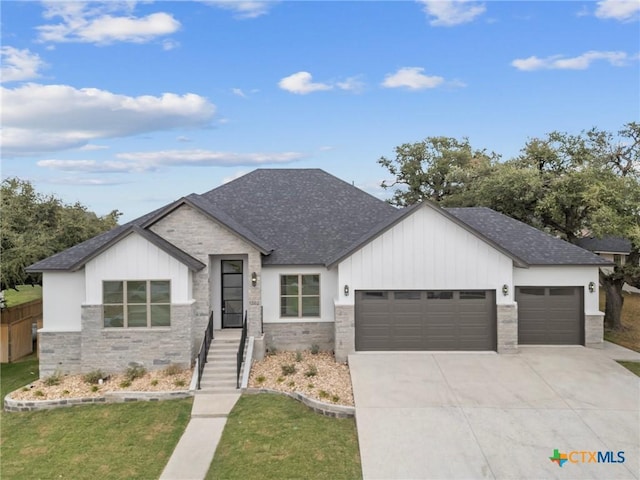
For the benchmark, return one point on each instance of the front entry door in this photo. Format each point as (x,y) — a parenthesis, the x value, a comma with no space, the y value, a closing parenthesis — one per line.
(232,286)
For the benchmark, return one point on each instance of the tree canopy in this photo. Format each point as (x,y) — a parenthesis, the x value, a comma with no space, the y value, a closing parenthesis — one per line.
(35,226)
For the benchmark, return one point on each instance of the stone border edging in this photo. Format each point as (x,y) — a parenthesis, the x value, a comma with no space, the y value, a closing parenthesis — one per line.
(123,396)
(326,409)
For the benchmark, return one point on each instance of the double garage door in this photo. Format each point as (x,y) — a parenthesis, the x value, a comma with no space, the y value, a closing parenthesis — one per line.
(425,320)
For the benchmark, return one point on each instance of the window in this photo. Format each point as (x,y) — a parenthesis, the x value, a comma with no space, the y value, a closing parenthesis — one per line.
(409,295)
(473,295)
(299,295)
(617,259)
(136,303)
(440,295)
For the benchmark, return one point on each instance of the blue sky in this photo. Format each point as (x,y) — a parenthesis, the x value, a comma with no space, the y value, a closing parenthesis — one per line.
(131,105)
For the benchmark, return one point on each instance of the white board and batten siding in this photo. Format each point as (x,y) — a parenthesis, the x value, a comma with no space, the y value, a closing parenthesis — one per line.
(135,258)
(271,292)
(63,294)
(562,276)
(426,251)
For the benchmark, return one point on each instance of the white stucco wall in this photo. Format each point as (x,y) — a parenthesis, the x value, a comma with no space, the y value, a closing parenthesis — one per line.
(62,296)
(135,258)
(557,276)
(426,251)
(271,292)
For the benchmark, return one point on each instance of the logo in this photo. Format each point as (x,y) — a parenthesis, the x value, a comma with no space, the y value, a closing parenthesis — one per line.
(559,458)
(580,456)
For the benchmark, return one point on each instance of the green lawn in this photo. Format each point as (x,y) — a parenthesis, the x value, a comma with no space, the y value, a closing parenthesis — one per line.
(629,336)
(116,441)
(270,436)
(24,294)
(632,366)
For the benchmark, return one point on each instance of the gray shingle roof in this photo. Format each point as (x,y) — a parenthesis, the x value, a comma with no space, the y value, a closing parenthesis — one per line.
(309,217)
(528,243)
(606,244)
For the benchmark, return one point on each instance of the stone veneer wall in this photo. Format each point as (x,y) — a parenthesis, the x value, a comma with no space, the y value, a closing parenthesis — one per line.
(59,351)
(299,336)
(594,330)
(200,237)
(507,328)
(344,331)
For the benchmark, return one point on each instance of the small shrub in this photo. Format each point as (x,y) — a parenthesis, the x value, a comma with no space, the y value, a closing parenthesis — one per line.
(66,392)
(125,384)
(315,349)
(135,371)
(298,357)
(39,393)
(291,384)
(95,388)
(288,369)
(179,383)
(25,389)
(272,351)
(261,379)
(172,369)
(310,386)
(279,379)
(312,371)
(154,382)
(93,377)
(53,379)
(323,394)
(335,398)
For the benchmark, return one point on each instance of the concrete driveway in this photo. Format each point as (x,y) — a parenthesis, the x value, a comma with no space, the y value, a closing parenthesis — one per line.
(483,415)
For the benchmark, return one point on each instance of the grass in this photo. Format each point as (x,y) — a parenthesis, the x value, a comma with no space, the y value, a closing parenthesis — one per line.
(275,437)
(24,294)
(629,336)
(632,366)
(115,441)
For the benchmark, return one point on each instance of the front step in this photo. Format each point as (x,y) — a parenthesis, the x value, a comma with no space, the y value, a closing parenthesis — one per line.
(219,375)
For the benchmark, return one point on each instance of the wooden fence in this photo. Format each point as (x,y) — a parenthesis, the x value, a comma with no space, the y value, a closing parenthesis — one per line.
(16,330)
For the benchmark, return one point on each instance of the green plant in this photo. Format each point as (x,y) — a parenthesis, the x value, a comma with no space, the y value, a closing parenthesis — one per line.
(95,388)
(272,351)
(310,386)
(288,369)
(154,382)
(172,369)
(279,379)
(53,379)
(66,392)
(335,398)
(315,348)
(135,371)
(323,394)
(25,389)
(298,357)
(125,384)
(93,377)
(261,379)
(179,383)
(311,371)
(39,393)
(291,384)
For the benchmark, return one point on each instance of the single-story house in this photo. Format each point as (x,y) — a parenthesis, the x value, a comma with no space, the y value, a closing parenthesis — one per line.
(312,259)
(613,249)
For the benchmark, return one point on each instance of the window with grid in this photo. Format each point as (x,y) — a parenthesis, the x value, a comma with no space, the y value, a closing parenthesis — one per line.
(300,295)
(136,303)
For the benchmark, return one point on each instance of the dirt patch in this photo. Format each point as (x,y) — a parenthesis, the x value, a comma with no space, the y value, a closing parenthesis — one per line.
(294,372)
(73,386)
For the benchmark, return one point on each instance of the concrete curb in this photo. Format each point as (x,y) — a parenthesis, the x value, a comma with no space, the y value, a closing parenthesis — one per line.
(326,409)
(11,405)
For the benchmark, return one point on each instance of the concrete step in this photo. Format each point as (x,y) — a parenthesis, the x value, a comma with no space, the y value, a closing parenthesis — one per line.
(219,390)
(231,377)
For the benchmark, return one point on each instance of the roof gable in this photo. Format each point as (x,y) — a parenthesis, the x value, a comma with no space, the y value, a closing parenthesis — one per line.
(607,244)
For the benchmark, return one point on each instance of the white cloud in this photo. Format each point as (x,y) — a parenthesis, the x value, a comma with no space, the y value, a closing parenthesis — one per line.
(238,174)
(622,10)
(411,78)
(243,9)
(302,83)
(351,84)
(91,147)
(86,182)
(184,139)
(103,23)
(581,62)
(169,44)
(138,162)
(447,13)
(19,65)
(239,92)
(42,118)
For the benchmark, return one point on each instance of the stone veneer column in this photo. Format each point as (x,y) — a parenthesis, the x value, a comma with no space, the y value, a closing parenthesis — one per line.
(508,328)
(345,331)
(59,351)
(594,330)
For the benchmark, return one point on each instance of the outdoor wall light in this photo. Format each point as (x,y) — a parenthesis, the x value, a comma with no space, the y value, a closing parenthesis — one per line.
(592,287)
(254,279)
(505,289)
(346,290)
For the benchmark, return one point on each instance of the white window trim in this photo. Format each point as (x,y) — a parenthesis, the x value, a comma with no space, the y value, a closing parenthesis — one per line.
(300,317)
(148,304)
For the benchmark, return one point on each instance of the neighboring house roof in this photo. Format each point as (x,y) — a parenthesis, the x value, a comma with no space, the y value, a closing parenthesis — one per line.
(533,246)
(309,217)
(606,245)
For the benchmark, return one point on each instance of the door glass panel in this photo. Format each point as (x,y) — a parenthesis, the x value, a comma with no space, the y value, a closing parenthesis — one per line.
(411,295)
(310,306)
(112,292)
(160,292)
(233,306)
(473,295)
(289,285)
(232,293)
(160,315)
(113,316)
(232,266)
(231,280)
(310,284)
(562,292)
(137,292)
(440,295)
(137,316)
(289,306)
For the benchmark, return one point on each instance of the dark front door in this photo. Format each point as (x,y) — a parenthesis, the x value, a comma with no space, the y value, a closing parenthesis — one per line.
(232,286)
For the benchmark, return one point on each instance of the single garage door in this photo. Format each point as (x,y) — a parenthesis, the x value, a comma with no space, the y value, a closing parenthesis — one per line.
(550,315)
(425,320)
